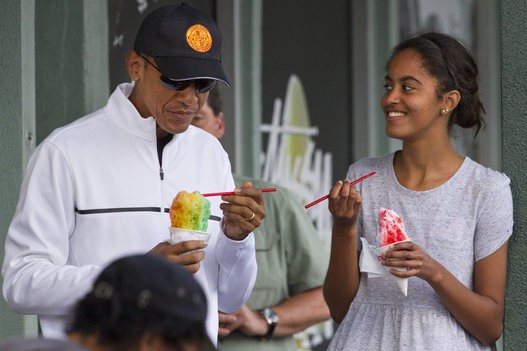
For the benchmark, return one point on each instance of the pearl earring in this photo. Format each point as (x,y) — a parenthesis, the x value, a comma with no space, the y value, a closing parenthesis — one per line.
(444,111)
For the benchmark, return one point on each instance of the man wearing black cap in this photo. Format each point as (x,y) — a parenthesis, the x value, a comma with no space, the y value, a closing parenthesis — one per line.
(101,187)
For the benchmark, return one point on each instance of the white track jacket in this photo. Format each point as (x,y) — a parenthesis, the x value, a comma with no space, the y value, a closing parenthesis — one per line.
(95,191)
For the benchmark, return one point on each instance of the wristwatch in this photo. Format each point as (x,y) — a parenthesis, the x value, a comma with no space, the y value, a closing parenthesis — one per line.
(271,318)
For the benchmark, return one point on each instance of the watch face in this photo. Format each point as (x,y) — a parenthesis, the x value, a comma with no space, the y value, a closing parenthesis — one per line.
(270,316)
(272,320)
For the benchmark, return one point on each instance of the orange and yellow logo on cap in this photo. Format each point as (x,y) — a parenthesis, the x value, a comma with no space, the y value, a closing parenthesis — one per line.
(199,38)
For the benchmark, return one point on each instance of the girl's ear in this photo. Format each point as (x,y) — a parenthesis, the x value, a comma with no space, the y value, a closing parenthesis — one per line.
(450,100)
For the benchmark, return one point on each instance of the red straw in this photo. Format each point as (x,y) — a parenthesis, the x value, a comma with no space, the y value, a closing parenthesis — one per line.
(265,190)
(327,196)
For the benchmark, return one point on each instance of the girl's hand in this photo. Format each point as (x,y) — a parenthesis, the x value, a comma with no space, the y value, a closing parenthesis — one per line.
(344,204)
(416,261)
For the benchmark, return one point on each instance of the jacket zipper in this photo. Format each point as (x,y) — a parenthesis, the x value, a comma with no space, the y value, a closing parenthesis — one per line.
(160,151)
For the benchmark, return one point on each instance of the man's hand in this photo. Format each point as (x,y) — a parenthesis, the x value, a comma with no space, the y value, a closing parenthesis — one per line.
(227,324)
(242,212)
(245,320)
(183,253)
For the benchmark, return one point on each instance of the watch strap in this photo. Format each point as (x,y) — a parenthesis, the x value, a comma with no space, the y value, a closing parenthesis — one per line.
(271,322)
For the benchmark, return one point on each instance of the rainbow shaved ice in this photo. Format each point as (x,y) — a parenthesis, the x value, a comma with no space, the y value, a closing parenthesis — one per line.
(190,211)
(391,228)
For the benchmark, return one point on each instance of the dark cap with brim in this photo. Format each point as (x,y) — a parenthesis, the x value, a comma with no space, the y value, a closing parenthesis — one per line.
(187,68)
(149,285)
(184,42)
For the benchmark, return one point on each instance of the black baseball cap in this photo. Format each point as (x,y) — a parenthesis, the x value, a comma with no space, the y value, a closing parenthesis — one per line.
(184,42)
(153,285)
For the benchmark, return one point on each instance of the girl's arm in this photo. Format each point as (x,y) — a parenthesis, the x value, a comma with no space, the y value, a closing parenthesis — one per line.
(342,278)
(480,311)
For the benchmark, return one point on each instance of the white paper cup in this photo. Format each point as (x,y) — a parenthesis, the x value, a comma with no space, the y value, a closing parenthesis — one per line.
(178,234)
(402,283)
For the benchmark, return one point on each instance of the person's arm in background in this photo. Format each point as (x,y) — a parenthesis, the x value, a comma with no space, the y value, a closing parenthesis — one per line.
(295,314)
(301,311)
(306,256)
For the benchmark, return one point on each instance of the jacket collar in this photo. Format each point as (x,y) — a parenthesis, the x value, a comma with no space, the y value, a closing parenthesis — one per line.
(124,113)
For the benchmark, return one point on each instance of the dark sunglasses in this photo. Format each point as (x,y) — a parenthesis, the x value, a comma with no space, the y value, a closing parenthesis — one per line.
(200,85)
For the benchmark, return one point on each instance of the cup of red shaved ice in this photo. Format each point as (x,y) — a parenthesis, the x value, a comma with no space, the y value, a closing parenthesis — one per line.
(391,227)
(390,231)
(189,215)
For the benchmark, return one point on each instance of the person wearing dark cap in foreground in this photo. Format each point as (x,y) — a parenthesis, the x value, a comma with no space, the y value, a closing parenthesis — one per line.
(142,302)
(101,187)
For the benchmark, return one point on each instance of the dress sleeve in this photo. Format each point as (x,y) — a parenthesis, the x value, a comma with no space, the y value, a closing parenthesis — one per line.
(36,277)
(494,225)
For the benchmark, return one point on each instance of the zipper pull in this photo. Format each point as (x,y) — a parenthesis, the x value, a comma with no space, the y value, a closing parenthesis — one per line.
(161,173)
